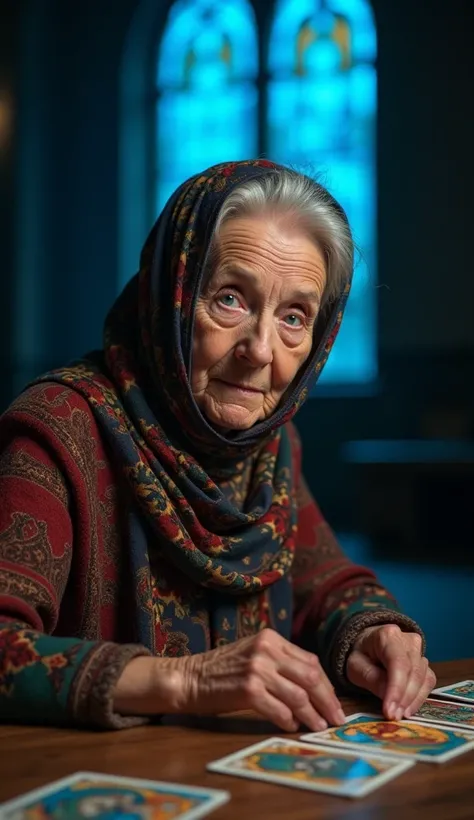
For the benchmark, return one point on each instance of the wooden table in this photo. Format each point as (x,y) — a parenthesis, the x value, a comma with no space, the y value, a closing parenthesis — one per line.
(178,751)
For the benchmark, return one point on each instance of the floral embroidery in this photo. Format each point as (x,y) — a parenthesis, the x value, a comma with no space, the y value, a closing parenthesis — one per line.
(17,651)
(57,665)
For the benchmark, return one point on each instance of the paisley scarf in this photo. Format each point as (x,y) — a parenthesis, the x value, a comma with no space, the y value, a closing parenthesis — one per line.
(208,555)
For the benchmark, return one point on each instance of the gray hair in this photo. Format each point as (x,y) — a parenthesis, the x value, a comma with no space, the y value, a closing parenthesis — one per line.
(286,192)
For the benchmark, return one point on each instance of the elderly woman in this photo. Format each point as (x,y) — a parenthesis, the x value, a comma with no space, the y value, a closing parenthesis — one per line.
(159,549)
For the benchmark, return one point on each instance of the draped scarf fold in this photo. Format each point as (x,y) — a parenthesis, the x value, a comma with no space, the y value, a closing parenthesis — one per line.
(192,548)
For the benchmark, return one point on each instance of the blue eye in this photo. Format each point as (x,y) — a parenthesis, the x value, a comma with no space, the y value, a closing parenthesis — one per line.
(293,320)
(228,299)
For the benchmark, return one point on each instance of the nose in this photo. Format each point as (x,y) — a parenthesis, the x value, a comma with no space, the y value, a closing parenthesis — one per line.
(257,345)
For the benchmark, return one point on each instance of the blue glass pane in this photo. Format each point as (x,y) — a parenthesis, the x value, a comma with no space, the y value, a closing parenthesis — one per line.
(321,119)
(207,100)
(299,23)
(201,32)
(360,18)
(192,134)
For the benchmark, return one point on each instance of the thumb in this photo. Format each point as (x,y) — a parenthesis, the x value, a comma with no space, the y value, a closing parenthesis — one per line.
(362,672)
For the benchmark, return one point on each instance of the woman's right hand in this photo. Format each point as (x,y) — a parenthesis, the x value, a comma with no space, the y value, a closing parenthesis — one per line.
(265,673)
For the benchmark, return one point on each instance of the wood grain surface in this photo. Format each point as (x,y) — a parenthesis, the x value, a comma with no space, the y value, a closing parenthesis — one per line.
(179,748)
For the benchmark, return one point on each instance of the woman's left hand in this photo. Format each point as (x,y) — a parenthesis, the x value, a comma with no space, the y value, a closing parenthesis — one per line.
(389,663)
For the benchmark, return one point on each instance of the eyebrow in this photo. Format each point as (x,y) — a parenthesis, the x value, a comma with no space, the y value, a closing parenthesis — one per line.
(236,270)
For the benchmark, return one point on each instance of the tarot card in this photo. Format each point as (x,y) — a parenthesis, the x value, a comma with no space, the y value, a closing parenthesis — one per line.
(374,735)
(456,715)
(306,766)
(463,691)
(88,794)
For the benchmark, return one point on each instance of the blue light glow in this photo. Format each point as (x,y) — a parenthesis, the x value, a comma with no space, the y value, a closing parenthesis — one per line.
(322,102)
(207,99)
(321,119)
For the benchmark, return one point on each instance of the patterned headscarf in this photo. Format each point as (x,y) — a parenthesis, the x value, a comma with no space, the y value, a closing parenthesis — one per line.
(172,458)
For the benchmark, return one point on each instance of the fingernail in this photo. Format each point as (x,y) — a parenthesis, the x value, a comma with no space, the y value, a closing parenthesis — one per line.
(340,716)
(399,714)
(392,710)
(321,725)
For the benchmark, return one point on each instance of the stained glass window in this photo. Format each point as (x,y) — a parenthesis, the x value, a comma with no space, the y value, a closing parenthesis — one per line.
(207,98)
(321,119)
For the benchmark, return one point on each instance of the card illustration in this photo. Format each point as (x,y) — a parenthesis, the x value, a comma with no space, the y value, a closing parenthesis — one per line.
(376,735)
(107,797)
(463,691)
(460,715)
(305,766)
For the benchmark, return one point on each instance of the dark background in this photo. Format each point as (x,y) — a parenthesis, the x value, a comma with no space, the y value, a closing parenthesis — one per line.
(405,505)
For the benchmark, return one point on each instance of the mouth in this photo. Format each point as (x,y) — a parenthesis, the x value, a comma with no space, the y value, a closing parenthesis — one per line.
(244,389)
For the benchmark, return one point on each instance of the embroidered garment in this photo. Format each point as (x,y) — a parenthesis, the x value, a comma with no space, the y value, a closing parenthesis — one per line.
(130,525)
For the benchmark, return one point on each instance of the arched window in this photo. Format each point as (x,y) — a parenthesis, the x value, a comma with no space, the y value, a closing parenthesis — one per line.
(207,98)
(321,116)
(321,101)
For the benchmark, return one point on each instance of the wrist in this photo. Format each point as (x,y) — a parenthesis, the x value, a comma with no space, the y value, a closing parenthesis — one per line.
(151,686)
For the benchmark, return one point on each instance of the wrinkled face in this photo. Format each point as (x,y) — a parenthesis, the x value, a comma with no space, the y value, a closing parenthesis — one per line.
(254,319)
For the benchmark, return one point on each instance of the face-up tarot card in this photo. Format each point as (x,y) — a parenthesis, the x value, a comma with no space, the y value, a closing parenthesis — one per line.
(456,715)
(400,738)
(462,691)
(106,797)
(306,766)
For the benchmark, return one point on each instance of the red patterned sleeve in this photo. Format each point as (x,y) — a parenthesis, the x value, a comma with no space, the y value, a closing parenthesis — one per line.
(334,599)
(45,678)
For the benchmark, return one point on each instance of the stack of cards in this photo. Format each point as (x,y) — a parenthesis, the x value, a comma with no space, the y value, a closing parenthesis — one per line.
(86,794)
(366,752)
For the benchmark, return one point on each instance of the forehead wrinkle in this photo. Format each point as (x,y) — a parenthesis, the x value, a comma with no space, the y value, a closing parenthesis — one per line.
(244,249)
(283,269)
(266,249)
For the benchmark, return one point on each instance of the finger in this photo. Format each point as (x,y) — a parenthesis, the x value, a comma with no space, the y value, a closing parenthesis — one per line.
(362,672)
(295,653)
(306,670)
(389,649)
(419,670)
(416,679)
(264,674)
(297,699)
(272,709)
(416,671)
(311,678)
(427,687)
(280,650)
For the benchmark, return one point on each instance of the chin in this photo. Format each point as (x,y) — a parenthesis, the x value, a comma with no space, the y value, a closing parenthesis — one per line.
(232,419)
(230,425)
